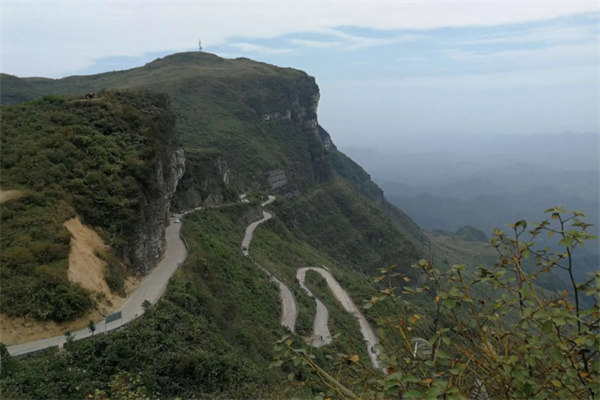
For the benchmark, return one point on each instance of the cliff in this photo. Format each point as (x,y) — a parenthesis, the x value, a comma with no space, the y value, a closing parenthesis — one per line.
(114,161)
(247,128)
(146,245)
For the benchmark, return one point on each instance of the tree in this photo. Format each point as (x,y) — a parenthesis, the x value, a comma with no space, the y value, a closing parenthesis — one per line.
(69,337)
(92,327)
(146,305)
(493,332)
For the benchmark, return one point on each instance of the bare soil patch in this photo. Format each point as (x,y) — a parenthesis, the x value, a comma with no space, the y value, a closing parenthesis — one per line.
(86,269)
(6,195)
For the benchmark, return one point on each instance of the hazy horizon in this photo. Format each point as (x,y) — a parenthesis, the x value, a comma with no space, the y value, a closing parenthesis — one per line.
(396,74)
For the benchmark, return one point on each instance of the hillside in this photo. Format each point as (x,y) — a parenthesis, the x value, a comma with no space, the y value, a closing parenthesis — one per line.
(252,128)
(249,130)
(245,125)
(95,159)
(493,181)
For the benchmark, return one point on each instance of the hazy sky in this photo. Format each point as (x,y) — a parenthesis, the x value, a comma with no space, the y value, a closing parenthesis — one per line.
(389,72)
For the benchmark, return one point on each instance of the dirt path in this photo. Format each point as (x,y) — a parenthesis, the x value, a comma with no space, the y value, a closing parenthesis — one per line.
(6,195)
(289,308)
(320,335)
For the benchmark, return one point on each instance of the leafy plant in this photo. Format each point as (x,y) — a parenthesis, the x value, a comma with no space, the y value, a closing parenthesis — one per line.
(514,342)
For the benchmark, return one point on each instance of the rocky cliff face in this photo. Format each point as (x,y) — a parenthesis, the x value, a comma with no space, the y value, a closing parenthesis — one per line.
(206,181)
(147,245)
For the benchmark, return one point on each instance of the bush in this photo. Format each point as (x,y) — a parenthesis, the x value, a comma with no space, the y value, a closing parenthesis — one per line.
(73,157)
(494,333)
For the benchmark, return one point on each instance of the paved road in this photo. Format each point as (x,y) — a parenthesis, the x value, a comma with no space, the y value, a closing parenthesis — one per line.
(250,229)
(342,296)
(321,334)
(155,283)
(289,308)
(151,289)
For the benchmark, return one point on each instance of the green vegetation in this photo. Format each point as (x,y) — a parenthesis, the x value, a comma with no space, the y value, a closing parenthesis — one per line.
(212,333)
(515,344)
(336,219)
(93,158)
(210,336)
(220,106)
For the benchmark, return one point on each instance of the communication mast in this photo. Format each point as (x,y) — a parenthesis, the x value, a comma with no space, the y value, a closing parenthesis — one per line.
(199,45)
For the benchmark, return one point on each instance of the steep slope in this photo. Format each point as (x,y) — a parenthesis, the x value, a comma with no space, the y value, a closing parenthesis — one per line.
(252,128)
(113,161)
(252,119)
(245,126)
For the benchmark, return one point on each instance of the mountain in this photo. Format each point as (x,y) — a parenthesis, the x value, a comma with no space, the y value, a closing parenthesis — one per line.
(245,132)
(493,181)
(246,128)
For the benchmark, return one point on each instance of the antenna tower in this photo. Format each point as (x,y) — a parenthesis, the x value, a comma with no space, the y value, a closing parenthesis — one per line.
(199,45)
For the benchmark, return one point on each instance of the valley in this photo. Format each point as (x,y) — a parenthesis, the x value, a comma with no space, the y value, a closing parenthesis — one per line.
(296,276)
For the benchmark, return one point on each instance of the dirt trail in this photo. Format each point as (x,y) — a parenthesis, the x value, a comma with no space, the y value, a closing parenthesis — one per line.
(321,335)
(6,195)
(289,308)
(344,298)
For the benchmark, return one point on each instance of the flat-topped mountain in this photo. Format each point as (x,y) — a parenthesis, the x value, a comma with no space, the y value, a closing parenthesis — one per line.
(247,128)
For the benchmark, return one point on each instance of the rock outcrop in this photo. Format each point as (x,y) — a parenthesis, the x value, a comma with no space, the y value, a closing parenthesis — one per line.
(147,245)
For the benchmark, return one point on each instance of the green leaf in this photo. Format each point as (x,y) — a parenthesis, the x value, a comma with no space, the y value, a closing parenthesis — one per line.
(410,379)
(547,327)
(441,354)
(557,383)
(390,384)
(434,392)
(412,394)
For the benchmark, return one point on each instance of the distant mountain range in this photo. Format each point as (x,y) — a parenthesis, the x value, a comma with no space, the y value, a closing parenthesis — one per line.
(489,182)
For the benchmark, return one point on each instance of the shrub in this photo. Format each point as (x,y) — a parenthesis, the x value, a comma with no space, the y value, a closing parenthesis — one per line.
(494,333)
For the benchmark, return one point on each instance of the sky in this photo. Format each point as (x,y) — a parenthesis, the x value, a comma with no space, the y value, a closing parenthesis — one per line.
(392,74)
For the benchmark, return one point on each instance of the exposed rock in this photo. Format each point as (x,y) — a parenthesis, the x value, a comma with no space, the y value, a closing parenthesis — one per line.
(276,178)
(205,182)
(147,246)
(277,115)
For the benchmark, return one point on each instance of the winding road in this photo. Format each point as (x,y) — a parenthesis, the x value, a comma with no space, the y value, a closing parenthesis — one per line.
(151,289)
(155,283)
(342,296)
(289,307)
(320,335)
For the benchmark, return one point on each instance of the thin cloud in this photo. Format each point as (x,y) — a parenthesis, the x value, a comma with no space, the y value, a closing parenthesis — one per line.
(314,44)
(138,28)
(254,48)
(355,42)
(543,78)
(555,34)
(581,54)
